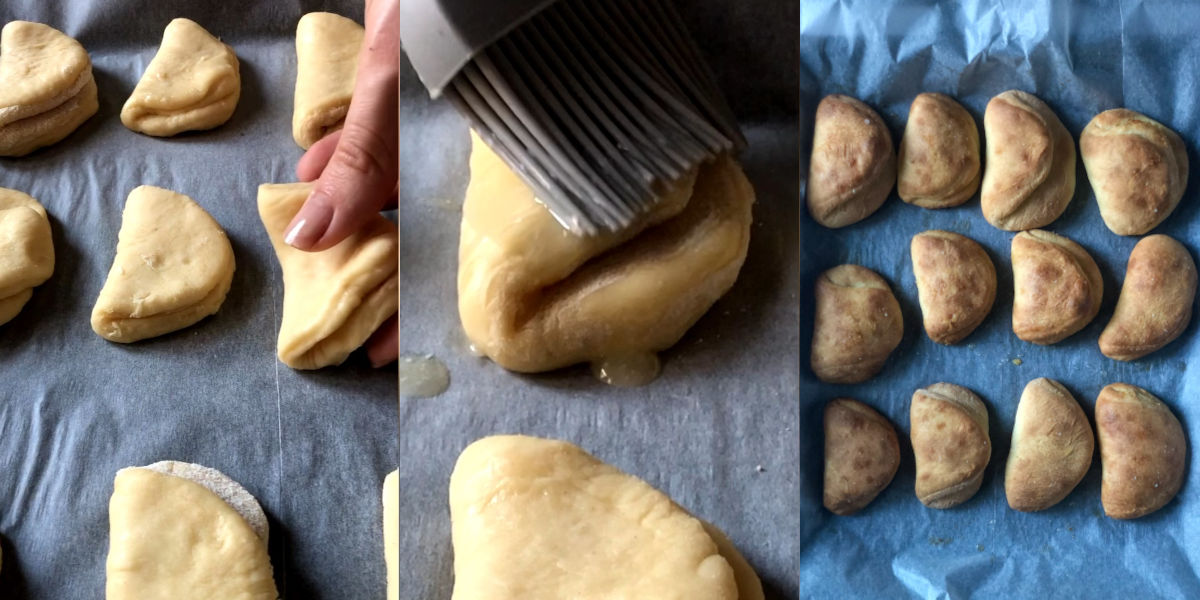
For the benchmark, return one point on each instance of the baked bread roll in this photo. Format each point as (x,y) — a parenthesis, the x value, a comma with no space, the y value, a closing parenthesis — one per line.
(939,153)
(1138,169)
(533,297)
(956,284)
(1030,174)
(1057,287)
(26,250)
(951,443)
(1156,299)
(538,519)
(856,326)
(193,83)
(1052,445)
(1142,451)
(853,166)
(862,454)
(46,87)
(183,531)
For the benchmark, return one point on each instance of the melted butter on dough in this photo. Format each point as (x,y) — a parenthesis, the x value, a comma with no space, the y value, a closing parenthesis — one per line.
(536,519)
(327,47)
(335,299)
(46,87)
(26,251)
(533,297)
(193,83)
(173,267)
(171,538)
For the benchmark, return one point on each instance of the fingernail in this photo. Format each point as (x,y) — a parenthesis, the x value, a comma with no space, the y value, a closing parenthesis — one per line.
(309,224)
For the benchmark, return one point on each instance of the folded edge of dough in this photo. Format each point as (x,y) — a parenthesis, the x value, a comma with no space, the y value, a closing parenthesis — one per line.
(327,47)
(39,109)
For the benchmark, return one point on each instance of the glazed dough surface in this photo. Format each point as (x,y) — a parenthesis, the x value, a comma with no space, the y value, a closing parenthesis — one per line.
(173,267)
(46,87)
(193,83)
(26,250)
(533,297)
(327,47)
(171,538)
(541,519)
(335,299)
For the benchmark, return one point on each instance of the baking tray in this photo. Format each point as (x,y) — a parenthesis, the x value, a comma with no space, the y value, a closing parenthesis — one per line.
(718,430)
(74,408)
(1081,59)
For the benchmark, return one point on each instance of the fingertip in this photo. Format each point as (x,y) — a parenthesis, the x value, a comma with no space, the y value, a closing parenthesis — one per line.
(311,224)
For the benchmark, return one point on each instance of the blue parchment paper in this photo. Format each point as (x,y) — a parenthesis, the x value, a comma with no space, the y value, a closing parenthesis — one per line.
(313,448)
(1080,59)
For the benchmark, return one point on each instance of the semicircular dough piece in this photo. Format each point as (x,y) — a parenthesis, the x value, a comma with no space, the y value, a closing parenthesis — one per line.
(193,83)
(541,519)
(335,299)
(46,87)
(856,325)
(533,297)
(184,531)
(939,153)
(327,47)
(1143,451)
(1052,445)
(173,267)
(853,165)
(956,284)
(950,443)
(1155,305)
(1057,287)
(26,250)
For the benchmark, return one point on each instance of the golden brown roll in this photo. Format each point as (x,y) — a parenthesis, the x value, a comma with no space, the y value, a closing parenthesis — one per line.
(1142,451)
(1156,299)
(951,444)
(853,165)
(1138,169)
(1030,174)
(939,153)
(856,326)
(862,454)
(1051,450)
(1057,287)
(956,284)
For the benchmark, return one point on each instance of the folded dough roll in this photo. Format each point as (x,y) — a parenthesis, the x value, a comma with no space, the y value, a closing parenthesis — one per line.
(539,519)
(46,87)
(173,267)
(327,47)
(335,299)
(193,83)
(26,250)
(533,297)
(183,531)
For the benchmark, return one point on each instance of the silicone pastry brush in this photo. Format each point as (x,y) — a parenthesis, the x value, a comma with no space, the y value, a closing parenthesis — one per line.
(596,104)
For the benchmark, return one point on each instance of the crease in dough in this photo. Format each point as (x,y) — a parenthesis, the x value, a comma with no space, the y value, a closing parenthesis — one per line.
(533,297)
(173,267)
(46,87)
(26,250)
(192,83)
(538,519)
(185,532)
(335,299)
(327,47)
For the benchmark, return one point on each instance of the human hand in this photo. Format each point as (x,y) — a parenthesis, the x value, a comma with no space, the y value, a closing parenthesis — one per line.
(356,169)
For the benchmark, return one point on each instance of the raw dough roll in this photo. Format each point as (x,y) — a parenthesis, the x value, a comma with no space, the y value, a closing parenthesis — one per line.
(327,47)
(533,297)
(26,250)
(46,87)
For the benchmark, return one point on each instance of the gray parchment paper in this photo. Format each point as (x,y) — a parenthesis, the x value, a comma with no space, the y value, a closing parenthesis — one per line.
(74,408)
(726,401)
(1081,60)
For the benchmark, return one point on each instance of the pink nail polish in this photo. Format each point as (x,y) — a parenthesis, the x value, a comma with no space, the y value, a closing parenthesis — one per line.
(290,238)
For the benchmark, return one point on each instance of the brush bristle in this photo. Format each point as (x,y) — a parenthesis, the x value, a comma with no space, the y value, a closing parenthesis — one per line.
(596,104)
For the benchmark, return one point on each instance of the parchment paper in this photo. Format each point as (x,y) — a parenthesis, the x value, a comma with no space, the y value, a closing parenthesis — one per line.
(1081,60)
(74,408)
(725,404)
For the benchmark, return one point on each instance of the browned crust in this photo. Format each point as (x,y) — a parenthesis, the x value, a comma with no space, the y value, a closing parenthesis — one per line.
(1156,299)
(1142,451)
(1137,167)
(939,154)
(950,442)
(853,164)
(1057,288)
(856,326)
(1052,447)
(956,284)
(862,454)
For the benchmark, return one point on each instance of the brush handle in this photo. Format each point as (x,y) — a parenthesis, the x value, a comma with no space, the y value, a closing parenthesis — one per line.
(442,36)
